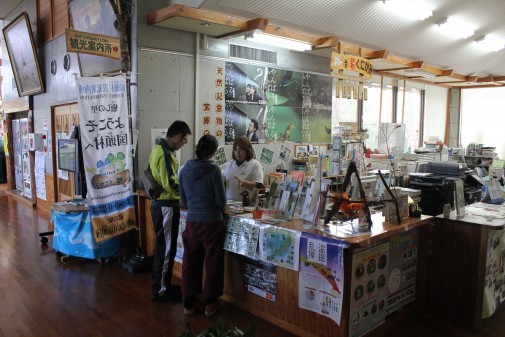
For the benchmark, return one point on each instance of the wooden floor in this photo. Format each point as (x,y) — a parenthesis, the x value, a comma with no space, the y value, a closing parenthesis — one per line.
(40,296)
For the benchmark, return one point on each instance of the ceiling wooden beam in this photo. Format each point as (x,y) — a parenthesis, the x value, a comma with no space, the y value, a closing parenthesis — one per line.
(447,72)
(347,48)
(420,79)
(417,65)
(434,70)
(196,14)
(378,54)
(326,42)
(393,69)
(399,60)
(292,34)
(457,76)
(254,25)
(241,26)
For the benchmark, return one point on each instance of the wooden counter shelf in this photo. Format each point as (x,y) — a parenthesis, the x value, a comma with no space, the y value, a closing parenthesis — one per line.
(285,312)
(460,263)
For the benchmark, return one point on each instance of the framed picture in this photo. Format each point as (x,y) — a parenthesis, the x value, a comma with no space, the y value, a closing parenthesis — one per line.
(23,56)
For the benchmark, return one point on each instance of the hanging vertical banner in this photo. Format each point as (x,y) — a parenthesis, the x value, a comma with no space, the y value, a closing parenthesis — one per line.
(106,148)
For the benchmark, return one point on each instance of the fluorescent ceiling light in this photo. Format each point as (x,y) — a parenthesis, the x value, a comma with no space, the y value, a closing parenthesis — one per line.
(456,28)
(278,41)
(410,9)
(490,43)
(420,72)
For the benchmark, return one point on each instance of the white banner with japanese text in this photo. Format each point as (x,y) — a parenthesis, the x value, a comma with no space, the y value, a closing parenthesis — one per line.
(106,147)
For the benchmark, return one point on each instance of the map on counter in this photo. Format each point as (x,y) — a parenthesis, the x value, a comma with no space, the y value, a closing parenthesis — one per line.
(280,246)
(241,236)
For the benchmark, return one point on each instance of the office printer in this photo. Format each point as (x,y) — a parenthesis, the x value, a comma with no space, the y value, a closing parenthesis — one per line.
(437,185)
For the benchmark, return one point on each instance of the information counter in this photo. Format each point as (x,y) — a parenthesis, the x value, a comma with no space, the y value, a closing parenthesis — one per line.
(383,278)
(467,281)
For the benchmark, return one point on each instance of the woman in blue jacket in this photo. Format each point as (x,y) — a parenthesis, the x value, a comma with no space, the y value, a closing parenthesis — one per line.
(202,193)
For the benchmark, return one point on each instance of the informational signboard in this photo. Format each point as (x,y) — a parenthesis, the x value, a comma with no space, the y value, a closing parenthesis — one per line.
(94,44)
(351,63)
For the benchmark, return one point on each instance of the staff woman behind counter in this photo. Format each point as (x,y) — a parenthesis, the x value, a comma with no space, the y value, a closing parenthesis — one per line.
(243,172)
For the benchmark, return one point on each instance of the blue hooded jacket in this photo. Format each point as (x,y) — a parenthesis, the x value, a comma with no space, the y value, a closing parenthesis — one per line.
(202,192)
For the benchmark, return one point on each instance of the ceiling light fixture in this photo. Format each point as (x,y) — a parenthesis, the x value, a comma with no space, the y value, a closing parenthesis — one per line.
(420,72)
(456,28)
(490,43)
(278,41)
(410,9)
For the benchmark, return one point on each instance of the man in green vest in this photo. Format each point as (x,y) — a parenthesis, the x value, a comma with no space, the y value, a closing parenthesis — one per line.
(165,211)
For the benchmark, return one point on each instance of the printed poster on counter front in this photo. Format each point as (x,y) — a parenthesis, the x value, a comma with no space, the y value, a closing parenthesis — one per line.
(279,246)
(106,147)
(321,275)
(402,270)
(179,253)
(260,278)
(369,288)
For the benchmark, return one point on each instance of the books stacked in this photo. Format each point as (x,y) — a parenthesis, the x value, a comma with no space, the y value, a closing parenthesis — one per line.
(284,196)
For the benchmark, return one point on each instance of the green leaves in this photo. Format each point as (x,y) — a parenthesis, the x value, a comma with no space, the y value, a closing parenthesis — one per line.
(221,331)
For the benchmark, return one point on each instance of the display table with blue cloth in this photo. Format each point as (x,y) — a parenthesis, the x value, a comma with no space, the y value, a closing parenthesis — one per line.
(73,236)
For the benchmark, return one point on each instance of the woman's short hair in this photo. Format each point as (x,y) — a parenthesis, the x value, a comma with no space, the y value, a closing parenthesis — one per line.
(207,146)
(243,143)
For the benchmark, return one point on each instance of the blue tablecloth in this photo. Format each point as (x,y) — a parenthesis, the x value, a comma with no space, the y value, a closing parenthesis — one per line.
(73,235)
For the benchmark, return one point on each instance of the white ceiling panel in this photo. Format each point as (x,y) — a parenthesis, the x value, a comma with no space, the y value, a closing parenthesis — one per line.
(367,24)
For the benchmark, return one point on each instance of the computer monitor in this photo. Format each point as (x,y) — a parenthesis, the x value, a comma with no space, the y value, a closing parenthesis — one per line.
(68,155)
(70,159)
(369,183)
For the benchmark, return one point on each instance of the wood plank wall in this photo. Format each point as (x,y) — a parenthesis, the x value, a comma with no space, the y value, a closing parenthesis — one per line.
(52,19)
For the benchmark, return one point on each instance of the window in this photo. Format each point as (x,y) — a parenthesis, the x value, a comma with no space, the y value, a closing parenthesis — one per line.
(371,111)
(482,117)
(344,110)
(387,104)
(412,117)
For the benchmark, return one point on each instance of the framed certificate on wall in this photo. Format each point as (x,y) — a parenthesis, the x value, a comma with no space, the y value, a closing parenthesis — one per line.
(23,56)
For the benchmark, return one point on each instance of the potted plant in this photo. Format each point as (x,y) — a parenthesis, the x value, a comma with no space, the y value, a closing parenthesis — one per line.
(257,212)
(221,330)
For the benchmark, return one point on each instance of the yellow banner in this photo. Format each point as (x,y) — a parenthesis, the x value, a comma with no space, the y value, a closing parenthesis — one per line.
(352,63)
(110,225)
(94,44)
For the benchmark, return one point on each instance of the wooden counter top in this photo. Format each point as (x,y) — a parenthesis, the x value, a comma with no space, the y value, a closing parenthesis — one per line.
(380,228)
